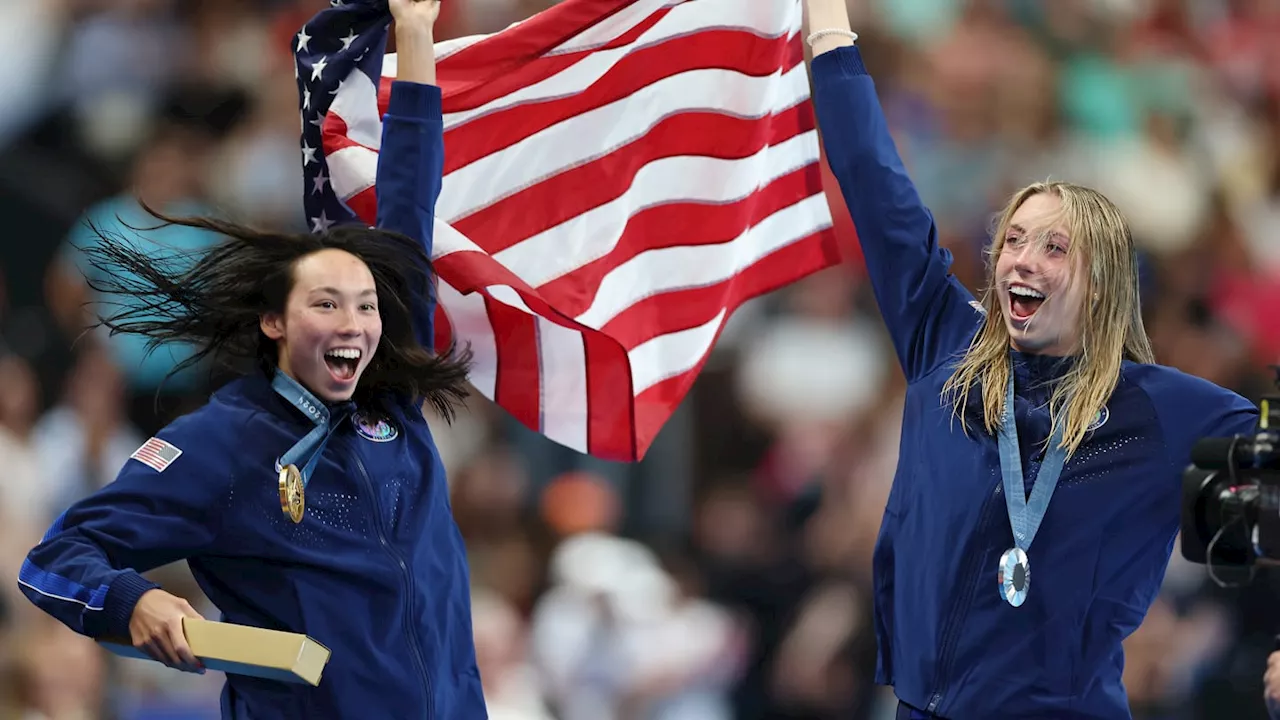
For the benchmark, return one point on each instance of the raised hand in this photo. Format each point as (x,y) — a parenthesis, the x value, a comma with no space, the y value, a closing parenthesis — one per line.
(415,39)
(416,12)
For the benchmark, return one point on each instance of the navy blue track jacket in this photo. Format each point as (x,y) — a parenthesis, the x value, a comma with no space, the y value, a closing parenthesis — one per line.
(949,644)
(376,571)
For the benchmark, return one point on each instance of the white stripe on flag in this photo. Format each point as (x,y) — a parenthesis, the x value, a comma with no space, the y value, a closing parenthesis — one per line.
(599,132)
(687,19)
(562,366)
(692,266)
(469,321)
(352,170)
(595,233)
(672,354)
(615,25)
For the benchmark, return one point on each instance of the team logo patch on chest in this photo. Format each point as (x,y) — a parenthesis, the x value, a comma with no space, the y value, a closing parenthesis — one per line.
(375,427)
(1099,419)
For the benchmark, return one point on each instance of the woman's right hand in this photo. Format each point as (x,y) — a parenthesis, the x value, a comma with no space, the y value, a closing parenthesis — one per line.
(156,629)
(421,12)
(415,39)
(828,15)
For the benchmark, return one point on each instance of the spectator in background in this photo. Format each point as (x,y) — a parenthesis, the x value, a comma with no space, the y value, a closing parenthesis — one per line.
(166,177)
(86,438)
(511,687)
(19,407)
(59,675)
(21,479)
(28,36)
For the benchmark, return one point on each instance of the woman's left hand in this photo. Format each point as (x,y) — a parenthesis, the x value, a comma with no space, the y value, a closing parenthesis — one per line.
(418,12)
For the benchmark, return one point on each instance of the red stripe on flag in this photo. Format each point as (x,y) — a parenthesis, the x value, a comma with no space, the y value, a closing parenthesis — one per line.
(681,309)
(654,406)
(444,329)
(463,92)
(518,378)
(499,130)
(334,135)
(610,401)
(546,30)
(575,191)
(698,223)
(470,271)
(365,205)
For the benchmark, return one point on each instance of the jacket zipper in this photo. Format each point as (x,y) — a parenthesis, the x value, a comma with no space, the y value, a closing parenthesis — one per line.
(414,643)
(960,610)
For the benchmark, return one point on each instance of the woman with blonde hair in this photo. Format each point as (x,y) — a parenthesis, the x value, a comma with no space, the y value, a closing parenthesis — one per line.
(1037,433)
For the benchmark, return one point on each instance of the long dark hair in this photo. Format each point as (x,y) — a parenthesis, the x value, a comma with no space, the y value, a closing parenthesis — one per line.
(215,298)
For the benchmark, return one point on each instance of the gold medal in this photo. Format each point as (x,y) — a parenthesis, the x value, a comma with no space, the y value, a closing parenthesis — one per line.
(293,499)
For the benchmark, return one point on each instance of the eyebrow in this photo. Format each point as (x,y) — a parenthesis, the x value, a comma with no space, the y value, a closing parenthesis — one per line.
(335,291)
(1054,234)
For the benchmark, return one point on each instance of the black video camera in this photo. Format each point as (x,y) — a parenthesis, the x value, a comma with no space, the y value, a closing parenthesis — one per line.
(1231,496)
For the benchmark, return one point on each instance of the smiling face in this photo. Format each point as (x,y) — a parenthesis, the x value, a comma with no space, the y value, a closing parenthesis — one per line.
(330,326)
(1040,284)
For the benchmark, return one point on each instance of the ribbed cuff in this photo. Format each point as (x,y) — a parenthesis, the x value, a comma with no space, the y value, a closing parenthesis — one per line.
(846,61)
(121,597)
(414,100)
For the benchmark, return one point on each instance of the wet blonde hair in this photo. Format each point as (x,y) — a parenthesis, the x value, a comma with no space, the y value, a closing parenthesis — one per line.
(1111,329)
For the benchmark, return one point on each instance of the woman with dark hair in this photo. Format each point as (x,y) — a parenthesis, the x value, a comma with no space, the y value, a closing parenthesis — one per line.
(307,495)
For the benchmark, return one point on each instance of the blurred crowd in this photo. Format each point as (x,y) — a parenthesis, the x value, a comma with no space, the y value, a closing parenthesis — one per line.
(727,575)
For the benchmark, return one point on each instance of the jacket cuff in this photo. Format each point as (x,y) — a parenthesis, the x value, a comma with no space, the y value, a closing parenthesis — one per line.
(414,100)
(845,61)
(121,597)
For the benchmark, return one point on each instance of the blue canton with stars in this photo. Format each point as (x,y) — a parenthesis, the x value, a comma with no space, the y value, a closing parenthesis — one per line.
(350,35)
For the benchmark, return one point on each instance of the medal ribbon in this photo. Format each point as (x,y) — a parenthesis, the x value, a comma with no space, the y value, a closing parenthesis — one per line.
(312,444)
(1025,515)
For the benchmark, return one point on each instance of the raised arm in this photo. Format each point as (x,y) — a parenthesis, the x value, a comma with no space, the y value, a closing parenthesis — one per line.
(411,160)
(926,310)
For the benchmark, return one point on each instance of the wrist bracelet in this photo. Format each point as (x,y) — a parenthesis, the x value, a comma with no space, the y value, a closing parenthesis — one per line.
(853,36)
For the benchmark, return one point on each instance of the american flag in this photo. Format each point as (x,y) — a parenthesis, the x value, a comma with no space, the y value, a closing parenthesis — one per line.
(156,454)
(620,176)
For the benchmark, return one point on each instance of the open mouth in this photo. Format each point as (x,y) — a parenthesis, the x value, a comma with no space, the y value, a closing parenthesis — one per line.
(1024,301)
(342,363)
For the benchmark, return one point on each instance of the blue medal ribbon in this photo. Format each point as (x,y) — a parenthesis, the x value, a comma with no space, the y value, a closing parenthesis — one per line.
(312,444)
(1025,514)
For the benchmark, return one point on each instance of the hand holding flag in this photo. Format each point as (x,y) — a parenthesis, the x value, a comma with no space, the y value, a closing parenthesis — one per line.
(424,11)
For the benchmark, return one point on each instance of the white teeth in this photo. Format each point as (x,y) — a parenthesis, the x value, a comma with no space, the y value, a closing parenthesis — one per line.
(1025,292)
(345,353)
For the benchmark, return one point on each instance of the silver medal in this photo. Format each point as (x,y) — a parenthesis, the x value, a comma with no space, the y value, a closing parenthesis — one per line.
(1015,576)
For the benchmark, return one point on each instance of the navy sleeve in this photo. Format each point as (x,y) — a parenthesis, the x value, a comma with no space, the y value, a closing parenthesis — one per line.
(86,570)
(927,311)
(410,172)
(1192,408)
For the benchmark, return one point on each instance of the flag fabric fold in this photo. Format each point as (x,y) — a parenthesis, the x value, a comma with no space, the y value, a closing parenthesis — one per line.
(620,176)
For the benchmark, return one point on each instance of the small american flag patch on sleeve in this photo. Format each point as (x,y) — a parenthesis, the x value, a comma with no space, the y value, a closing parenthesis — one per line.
(156,454)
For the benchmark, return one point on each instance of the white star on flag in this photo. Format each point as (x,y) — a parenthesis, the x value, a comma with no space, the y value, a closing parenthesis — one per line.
(321,223)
